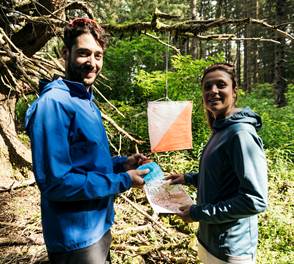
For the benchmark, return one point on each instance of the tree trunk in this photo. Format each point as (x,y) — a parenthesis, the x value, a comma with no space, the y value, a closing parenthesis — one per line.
(15,157)
(193,5)
(246,79)
(280,83)
(254,51)
(238,63)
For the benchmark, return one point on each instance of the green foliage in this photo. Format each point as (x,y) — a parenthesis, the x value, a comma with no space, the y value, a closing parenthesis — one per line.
(124,59)
(182,79)
(21,108)
(278,123)
(276,234)
(137,10)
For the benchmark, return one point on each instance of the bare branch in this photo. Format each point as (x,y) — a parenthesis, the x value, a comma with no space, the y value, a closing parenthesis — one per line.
(97,91)
(232,37)
(121,130)
(164,43)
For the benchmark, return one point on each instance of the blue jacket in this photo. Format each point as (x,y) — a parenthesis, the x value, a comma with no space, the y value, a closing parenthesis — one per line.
(73,167)
(232,187)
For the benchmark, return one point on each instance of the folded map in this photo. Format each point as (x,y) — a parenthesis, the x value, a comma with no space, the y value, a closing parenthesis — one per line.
(163,197)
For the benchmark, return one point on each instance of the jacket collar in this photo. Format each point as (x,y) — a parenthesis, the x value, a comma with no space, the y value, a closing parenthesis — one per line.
(75,88)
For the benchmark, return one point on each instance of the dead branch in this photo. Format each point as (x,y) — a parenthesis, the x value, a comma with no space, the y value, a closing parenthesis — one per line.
(162,42)
(132,230)
(149,217)
(121,130)
(98,92)
(17,185)
(232,37)
(6,242)
(192,27)
(19,226)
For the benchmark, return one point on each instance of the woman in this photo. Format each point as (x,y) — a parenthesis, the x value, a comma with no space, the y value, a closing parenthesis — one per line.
(232,179)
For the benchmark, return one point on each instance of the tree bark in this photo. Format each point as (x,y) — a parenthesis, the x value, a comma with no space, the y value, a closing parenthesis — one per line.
(193,5)
(280,83)
(15,157)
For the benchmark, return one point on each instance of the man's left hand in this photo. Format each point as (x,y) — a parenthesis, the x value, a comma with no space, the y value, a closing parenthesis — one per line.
(134,161)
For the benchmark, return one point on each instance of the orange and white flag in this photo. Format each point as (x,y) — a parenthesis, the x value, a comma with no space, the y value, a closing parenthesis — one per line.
(169,125)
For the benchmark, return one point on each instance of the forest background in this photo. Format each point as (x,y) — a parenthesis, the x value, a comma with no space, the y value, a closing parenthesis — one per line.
(157,50)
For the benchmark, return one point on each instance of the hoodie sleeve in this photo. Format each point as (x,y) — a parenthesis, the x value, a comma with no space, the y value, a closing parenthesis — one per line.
(249,164)
(191,178)
(48,126)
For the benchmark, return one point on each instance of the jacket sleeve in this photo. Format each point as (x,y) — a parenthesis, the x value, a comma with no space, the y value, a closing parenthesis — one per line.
(118,163)
(249,164)
(191,178)
(57,179)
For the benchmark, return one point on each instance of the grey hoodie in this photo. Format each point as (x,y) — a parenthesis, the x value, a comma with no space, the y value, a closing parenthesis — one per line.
(232,187)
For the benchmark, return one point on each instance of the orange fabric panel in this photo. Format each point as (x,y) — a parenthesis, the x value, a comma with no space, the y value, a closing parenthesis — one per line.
(177,133)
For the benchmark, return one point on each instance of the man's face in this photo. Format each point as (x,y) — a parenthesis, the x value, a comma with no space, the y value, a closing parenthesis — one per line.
(84,61)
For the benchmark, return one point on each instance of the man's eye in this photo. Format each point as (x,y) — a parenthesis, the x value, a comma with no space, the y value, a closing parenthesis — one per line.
(83,54)
(98,56)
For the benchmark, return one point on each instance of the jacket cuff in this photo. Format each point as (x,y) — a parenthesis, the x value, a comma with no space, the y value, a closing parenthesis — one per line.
(188,177)
(129,182)
(118,163)
(194,212)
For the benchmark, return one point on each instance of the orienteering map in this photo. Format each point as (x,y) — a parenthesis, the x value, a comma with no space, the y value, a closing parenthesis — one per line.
(163,197)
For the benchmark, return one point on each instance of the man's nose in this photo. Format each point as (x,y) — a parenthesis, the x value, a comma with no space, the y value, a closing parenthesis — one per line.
(91,60)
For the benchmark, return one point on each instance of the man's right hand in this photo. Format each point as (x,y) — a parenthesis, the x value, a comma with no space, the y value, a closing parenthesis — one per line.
(175,178)
(137,177)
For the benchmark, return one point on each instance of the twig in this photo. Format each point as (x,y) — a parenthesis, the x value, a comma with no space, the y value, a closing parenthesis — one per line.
(145,214)
(132,230)
(232,37)
(97,91)
(17,185)
(164,43)
(6,242)
(113,123)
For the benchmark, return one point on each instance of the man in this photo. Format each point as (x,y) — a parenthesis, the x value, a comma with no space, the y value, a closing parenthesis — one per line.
(73,167)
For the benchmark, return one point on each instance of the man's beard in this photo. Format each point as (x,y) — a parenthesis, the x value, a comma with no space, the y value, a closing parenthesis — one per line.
(76,72)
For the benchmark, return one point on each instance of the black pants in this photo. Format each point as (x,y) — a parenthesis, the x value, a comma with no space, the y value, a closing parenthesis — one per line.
(97,253)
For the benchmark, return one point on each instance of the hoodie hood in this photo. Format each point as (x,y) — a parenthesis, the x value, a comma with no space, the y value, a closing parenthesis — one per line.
(75,89)
(246,116)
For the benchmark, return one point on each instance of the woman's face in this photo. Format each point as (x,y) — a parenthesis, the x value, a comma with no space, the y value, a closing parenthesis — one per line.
(218,93)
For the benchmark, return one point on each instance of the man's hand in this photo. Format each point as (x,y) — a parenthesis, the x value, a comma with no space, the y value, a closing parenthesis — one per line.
(137,177)
(175,178)
(185,213)
(134,161)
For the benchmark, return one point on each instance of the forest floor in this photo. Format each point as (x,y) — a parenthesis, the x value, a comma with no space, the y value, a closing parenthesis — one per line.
(138,237)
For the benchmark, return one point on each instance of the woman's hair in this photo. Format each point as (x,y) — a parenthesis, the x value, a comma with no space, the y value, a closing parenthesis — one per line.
(226,67)
(80,26)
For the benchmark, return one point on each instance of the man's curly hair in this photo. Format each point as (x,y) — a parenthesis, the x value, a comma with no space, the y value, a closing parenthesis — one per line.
(80,26)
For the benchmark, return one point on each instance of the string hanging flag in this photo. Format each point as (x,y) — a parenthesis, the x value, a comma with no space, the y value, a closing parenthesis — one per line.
(169,122)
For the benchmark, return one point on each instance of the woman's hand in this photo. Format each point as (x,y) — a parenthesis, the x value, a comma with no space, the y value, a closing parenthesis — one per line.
(175,178)
(185,213)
